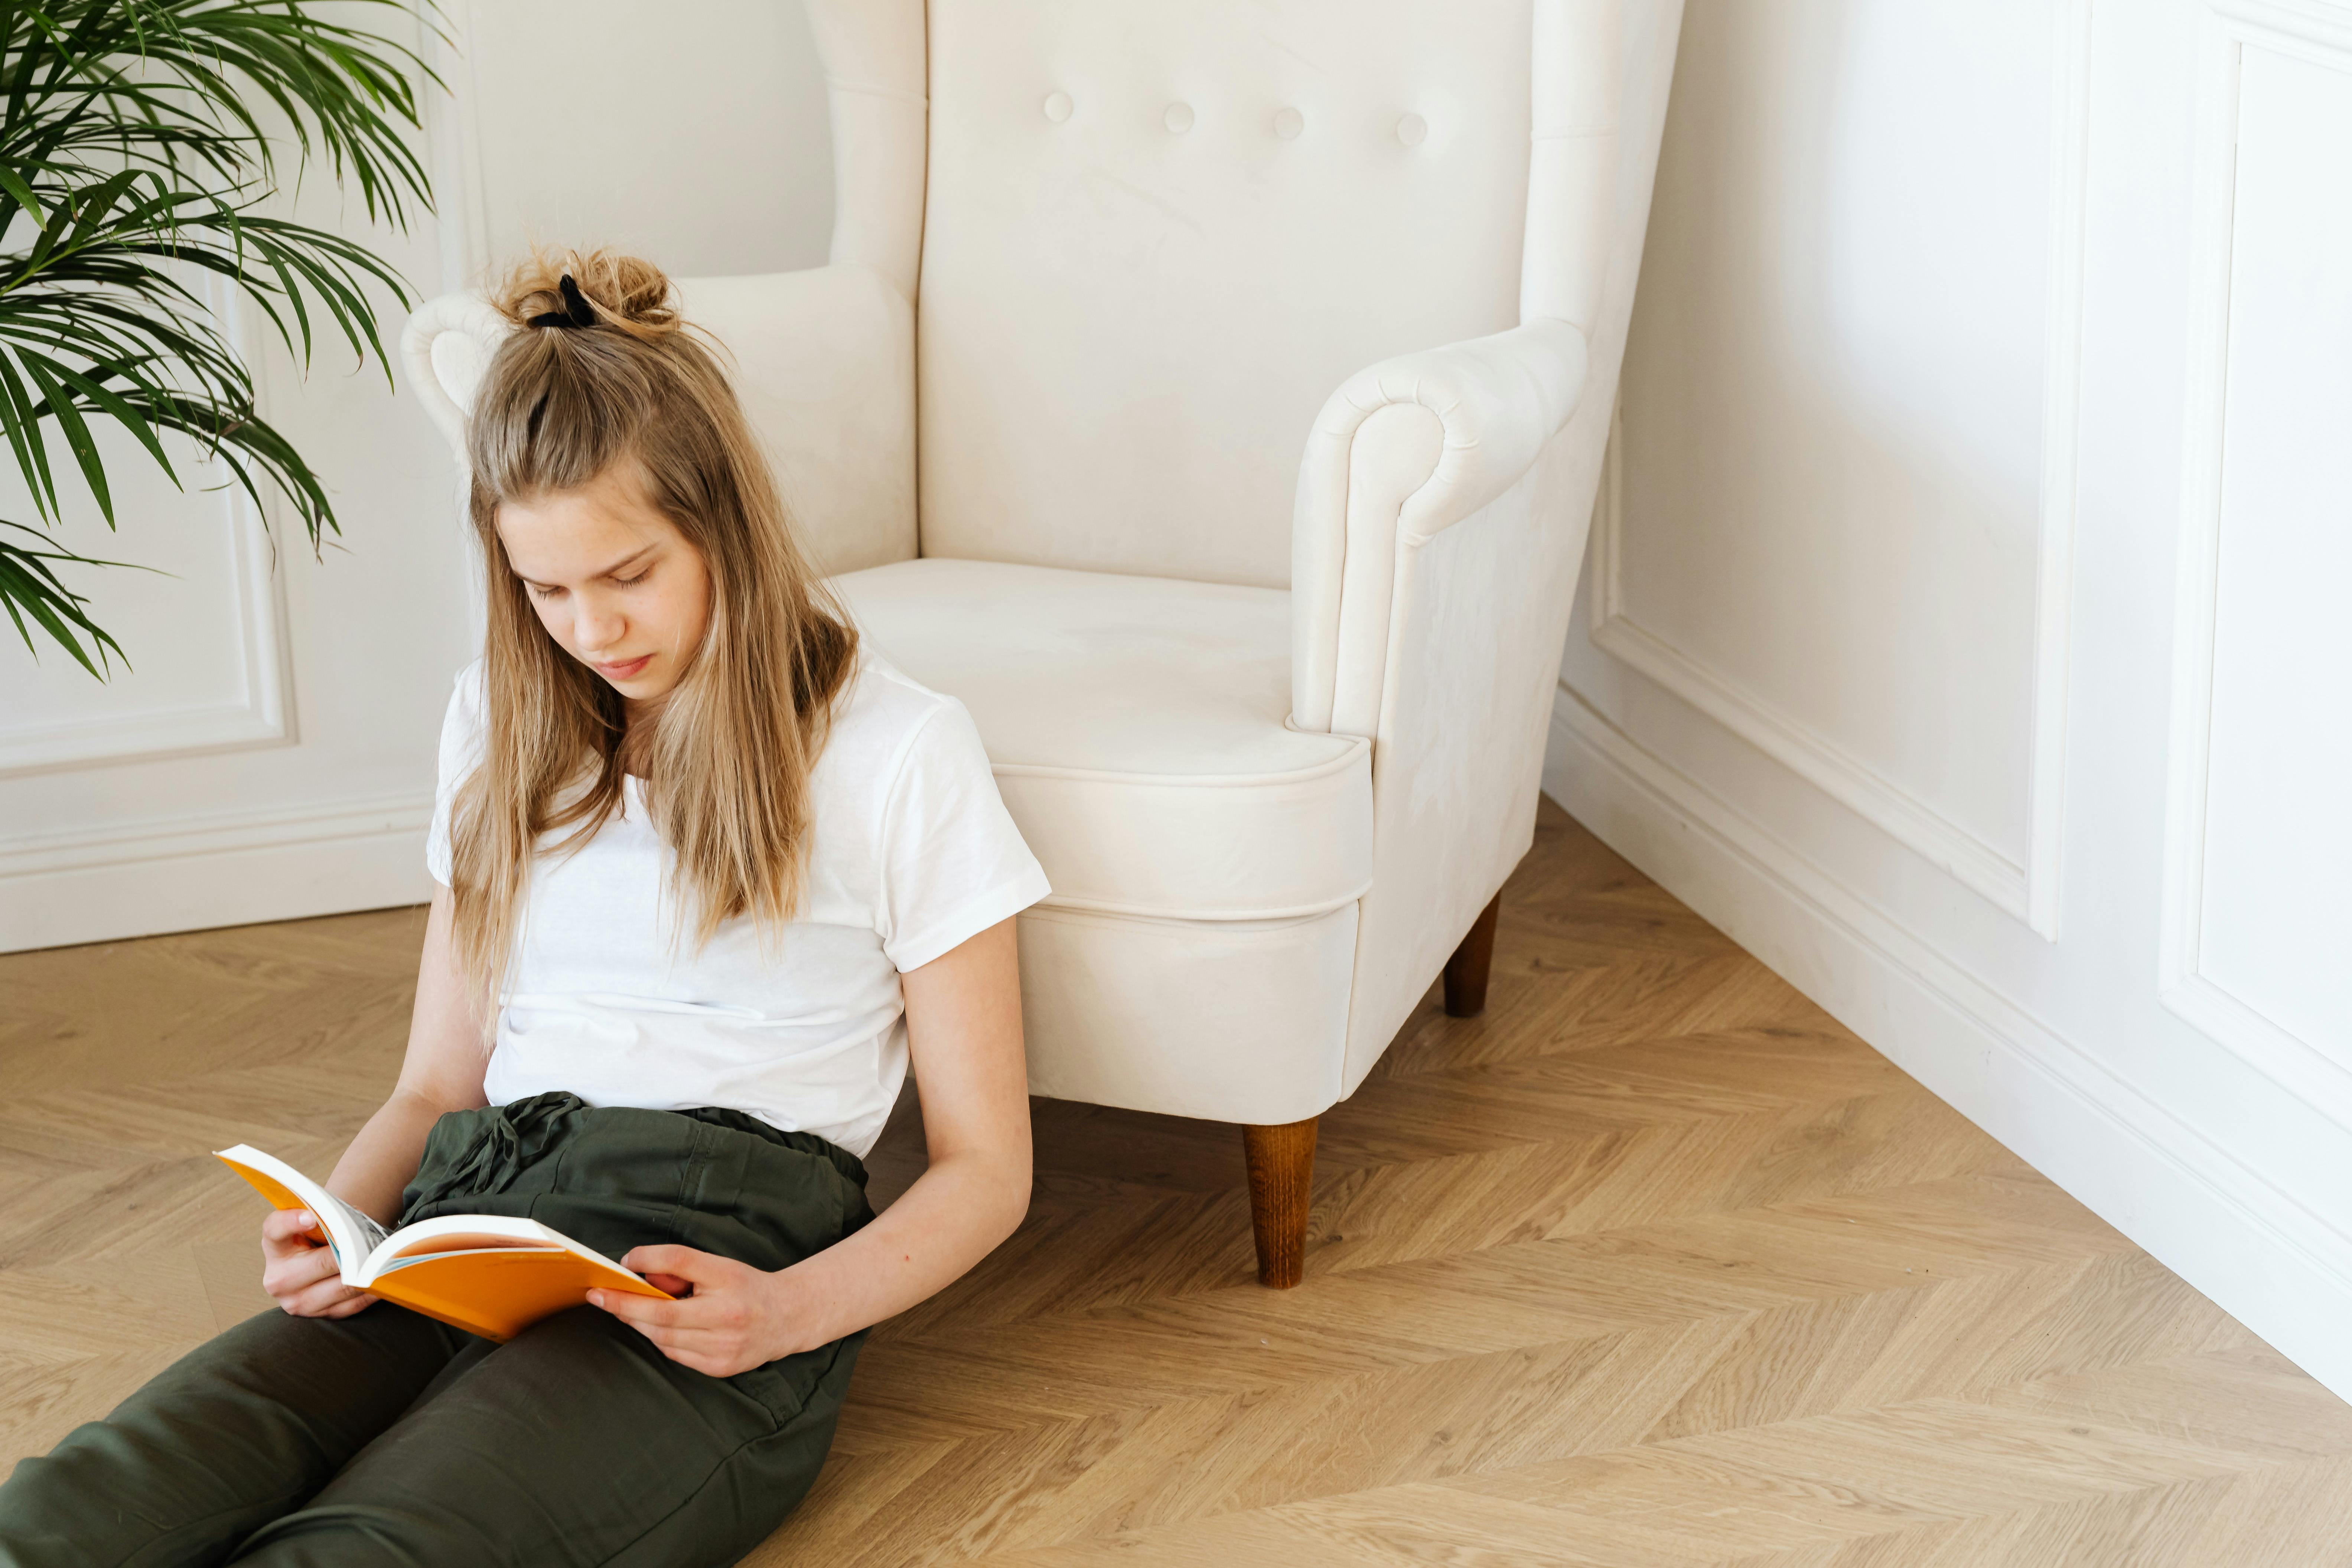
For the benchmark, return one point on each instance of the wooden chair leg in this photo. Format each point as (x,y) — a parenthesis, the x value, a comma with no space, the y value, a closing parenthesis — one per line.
(1466,972)
(1281,1172)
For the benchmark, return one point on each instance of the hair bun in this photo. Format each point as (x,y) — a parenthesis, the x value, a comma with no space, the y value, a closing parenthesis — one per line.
(627,292)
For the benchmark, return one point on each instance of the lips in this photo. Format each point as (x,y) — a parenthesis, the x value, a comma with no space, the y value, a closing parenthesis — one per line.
(624,670)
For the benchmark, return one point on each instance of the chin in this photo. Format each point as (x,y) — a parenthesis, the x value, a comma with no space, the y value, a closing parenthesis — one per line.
(641,688)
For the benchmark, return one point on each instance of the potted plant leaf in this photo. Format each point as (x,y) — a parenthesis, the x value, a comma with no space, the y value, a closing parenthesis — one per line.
(139,143)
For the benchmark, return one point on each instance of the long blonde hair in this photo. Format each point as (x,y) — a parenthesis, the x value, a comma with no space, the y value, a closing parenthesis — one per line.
(727,759)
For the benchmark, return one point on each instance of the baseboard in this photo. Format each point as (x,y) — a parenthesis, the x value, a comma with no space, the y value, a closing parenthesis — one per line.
(228,868)
(2264,1258)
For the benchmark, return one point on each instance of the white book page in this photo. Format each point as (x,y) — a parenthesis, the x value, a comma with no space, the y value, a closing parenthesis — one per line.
(352,1235)
(470,1233)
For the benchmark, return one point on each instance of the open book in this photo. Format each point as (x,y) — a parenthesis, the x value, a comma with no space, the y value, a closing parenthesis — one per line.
(487,1274)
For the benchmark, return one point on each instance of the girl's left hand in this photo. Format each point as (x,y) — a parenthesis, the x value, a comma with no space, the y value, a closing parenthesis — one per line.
(737,1318)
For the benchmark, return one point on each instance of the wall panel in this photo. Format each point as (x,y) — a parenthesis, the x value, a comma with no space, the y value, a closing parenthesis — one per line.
(1849,633)
(1851,393)
(2258,924)
(202,644)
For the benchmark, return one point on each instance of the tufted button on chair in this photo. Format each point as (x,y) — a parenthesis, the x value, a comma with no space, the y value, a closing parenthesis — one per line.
(1210,395)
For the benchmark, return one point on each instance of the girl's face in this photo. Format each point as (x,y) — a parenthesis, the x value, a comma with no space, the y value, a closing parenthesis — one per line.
(616,584)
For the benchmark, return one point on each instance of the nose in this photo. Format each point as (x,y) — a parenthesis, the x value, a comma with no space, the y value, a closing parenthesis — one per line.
(597,626)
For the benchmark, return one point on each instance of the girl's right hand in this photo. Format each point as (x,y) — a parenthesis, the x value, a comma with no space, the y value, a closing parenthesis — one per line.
(299,1270)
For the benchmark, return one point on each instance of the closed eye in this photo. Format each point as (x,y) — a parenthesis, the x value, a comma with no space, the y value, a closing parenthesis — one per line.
(633,582)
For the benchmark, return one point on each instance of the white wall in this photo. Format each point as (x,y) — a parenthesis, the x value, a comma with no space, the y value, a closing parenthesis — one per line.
(696,135)
(1962,628)
(270,753)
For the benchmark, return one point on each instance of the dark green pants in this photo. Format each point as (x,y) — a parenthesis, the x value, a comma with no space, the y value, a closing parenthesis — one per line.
(386,1437)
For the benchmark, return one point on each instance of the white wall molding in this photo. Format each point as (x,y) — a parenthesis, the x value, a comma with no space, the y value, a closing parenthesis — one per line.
(57,889)
(2260,1252)
(2028,890)
(212,833)
(2062,418)
(2320,35)
(453,130)
(453,136)
(259,717)
(260,712)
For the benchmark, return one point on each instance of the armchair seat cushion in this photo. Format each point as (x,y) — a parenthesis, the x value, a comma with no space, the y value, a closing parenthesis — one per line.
(1138,730)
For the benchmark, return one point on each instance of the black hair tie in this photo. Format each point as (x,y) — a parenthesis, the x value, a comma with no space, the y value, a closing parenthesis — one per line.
(575,312)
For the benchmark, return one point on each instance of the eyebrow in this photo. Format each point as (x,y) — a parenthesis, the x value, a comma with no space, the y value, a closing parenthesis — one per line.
(614,569)
(626,562)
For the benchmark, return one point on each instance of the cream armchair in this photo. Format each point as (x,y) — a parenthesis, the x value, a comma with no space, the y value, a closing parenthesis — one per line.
(1272,722)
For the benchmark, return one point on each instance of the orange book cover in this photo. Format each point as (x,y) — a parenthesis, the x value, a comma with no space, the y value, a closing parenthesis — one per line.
(487,1274)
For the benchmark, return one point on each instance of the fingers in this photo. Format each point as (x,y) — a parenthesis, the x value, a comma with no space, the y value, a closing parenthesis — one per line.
(283,1274)
(300,1271)
(720,1329)
(645,1312)
(291,1230)
(723,1309)
(306,1275)
(326,1299)
(678,1262)
(711,1331)
(669,1323)
(721,1353)
(681,1271)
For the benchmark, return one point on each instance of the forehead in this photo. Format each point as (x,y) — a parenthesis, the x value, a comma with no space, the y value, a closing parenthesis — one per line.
(562,535)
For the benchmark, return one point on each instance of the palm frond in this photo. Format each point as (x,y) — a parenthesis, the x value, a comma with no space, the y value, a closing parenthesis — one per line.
(29,587)
(133,159)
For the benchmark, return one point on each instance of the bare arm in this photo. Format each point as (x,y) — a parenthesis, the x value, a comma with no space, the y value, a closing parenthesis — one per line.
(442,1072)
(963,1032)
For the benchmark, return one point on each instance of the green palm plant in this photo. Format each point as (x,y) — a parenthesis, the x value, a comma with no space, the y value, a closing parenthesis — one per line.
(133,159)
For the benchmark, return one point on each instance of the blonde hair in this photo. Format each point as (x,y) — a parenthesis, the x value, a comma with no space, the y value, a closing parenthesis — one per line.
(731,746)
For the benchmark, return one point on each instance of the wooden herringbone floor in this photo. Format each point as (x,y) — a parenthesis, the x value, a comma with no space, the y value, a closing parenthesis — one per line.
(1653,1265)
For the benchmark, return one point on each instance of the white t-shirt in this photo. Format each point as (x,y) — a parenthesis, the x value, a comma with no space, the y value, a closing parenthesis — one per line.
(911,852)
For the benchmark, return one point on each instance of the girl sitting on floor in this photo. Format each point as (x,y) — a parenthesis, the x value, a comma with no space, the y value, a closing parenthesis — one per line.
(711,875)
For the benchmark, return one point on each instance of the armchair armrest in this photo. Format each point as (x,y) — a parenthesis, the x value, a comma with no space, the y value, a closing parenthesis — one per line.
(446,346)
(823,360)
(1403,451)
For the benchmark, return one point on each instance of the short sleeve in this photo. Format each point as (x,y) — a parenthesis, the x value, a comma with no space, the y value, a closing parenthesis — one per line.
(953,863)
(461,748)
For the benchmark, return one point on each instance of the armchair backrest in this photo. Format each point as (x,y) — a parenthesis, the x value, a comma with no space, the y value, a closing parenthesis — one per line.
(1156,235)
